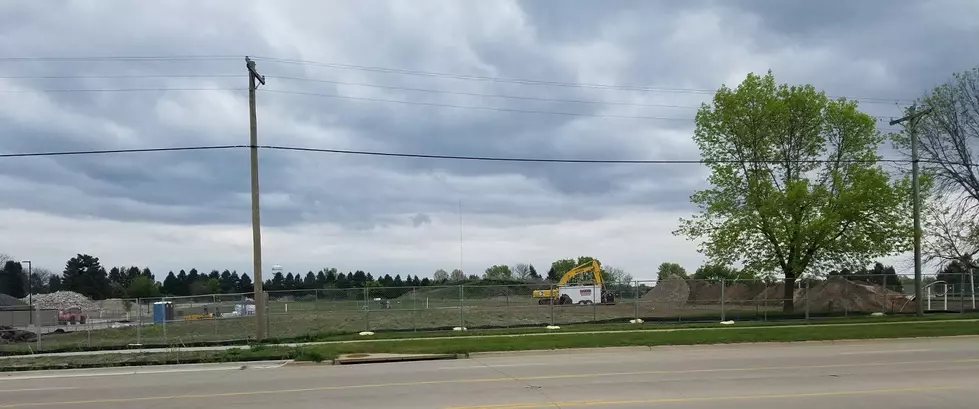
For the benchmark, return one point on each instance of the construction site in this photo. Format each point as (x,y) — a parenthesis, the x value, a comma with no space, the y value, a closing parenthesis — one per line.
(68,320)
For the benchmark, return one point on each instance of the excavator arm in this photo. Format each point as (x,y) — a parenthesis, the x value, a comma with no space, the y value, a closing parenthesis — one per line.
(582,269)
(591,267)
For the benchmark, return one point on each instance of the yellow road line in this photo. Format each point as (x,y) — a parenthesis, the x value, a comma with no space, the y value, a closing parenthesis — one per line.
(564,404)
(467,381)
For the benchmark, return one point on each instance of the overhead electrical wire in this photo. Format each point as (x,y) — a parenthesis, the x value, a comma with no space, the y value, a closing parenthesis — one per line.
(401,71)
(437,156)
(473,107)
(530,81)
(118,151)
(126,58)
(66,90)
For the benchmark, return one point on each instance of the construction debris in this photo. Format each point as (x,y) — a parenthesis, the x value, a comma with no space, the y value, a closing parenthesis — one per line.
(11,335)
(63,300)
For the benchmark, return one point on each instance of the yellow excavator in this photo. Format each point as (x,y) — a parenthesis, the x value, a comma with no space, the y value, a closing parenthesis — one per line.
(581,292)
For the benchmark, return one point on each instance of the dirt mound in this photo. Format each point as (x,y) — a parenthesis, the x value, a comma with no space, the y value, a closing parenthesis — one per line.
(6,301)
(706,292)
(672,290)
(840,294)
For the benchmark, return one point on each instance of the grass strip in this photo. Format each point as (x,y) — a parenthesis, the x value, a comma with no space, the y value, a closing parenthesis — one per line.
(466,345)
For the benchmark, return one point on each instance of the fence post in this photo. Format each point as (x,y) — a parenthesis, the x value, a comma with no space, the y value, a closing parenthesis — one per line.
(806,283)
(166,341)
(367,311)
(462,297)
(635,298)
(414,308)
(883,293)
(723,306)
(139,322)
(552,304)
(962,293)
(37,321)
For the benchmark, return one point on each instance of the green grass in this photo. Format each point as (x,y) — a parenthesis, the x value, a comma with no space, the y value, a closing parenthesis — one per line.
(468,344)
(462,345)
(193,333)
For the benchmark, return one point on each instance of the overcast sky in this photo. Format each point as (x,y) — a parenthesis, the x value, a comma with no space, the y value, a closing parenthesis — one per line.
(397,215)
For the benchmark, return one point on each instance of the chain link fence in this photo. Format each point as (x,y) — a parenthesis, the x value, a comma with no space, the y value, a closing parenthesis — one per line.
(227,318)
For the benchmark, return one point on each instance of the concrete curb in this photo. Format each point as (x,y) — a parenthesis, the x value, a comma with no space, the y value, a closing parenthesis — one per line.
(385,358)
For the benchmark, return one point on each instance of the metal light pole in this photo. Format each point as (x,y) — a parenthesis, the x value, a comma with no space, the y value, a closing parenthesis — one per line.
(30,288)
(914,116)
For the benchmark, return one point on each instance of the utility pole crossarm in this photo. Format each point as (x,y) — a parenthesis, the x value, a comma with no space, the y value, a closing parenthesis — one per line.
(909,117)
(250,64)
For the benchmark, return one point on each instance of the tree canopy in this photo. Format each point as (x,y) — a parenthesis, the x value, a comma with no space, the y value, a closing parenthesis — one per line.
(667,269)
(795,182)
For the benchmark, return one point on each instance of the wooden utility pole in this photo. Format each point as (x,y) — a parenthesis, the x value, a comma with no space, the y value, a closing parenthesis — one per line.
(254,78)
(914,116)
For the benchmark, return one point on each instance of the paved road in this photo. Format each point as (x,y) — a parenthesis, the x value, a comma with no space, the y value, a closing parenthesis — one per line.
(923,373)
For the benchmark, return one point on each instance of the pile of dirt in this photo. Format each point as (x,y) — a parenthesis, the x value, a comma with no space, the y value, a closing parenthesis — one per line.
(705,292)
(672,290)
(776,293)
(840,294)
(62,300)
(7,301)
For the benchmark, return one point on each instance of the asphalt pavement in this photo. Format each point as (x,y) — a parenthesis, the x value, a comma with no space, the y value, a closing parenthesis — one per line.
(920,373)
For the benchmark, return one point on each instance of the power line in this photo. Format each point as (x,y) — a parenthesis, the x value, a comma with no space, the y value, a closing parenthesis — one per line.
(119,151)
(121,76)
(125,58)
(401,71)
(530,81)
(502,96)
(117,89)
(442,157)
(483,108)
(478,94)
(556,160)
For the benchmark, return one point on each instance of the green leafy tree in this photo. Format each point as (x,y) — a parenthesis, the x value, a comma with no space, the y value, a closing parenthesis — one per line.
(717,272)
(143,287)
(498,272)
(667,269)
(559,267)
(85,275)
(796,183)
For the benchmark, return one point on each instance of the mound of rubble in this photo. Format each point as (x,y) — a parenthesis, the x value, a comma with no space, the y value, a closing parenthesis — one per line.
(673,290)
(63,300)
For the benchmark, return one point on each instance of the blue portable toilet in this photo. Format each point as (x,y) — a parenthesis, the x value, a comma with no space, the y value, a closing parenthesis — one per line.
(162,311)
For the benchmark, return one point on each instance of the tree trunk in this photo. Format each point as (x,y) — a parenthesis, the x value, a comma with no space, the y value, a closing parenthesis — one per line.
(788,297)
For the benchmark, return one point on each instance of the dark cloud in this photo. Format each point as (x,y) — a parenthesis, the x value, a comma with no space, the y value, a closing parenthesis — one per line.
(859,48)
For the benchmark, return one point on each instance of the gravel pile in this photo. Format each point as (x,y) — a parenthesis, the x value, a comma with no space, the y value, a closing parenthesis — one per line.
(6,301)
(63,300)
